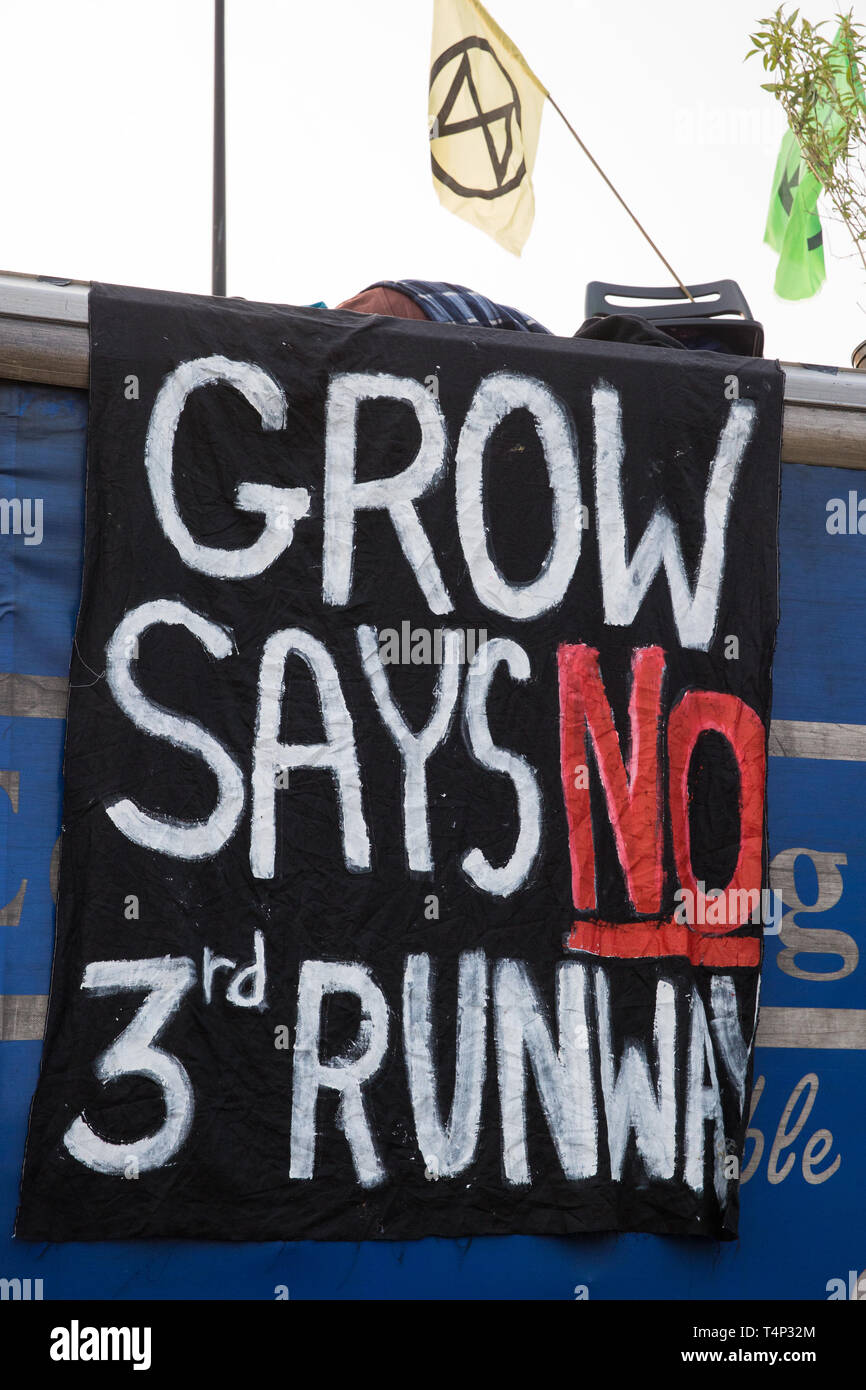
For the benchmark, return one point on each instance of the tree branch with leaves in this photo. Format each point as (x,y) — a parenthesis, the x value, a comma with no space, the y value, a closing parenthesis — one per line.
(819,87)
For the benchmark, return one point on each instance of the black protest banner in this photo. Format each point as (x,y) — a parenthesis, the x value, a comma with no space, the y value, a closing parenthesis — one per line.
(414,856)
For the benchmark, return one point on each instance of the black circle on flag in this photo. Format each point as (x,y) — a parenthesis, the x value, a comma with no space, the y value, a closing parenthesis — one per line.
(508,111)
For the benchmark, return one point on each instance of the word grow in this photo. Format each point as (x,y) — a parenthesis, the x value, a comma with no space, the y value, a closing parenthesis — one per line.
(624,583)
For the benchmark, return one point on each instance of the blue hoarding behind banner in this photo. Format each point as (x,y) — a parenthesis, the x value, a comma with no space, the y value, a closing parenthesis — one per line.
(803,1200)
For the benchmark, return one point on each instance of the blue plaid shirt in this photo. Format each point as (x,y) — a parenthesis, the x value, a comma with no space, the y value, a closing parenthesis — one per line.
(445,303)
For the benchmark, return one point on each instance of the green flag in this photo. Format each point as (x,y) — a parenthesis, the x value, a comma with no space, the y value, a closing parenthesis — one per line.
(793,225)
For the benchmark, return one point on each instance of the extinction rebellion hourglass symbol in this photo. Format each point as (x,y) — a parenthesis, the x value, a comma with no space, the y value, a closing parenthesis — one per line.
(463,90)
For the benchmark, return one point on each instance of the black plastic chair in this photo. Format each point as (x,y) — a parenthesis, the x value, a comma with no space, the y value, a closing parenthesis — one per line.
(721,324)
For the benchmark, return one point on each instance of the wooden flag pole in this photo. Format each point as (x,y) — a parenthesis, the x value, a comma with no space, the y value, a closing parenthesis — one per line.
(218,257)
(620,198)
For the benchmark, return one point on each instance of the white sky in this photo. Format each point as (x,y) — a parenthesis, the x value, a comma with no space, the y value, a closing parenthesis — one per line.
(105,106)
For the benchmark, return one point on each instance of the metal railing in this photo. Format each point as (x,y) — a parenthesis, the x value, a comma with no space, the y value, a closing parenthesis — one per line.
(44,338)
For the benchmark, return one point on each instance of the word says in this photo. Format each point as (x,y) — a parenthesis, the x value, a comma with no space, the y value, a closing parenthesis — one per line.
(639,1096)
(336,755)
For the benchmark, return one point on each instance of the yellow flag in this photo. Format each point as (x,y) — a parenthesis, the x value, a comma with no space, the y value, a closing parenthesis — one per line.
(485,114)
